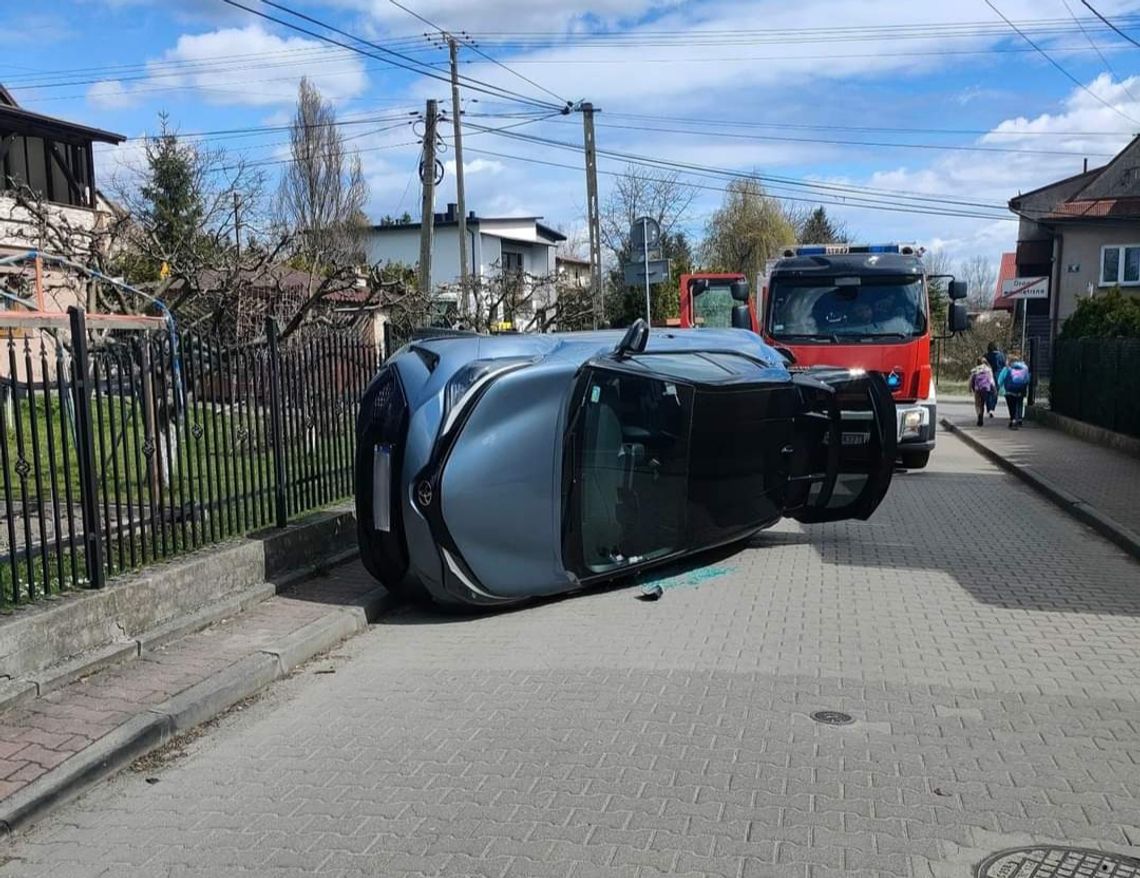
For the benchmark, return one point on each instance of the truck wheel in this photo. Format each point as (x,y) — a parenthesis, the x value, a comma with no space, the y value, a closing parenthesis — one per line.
(915,459)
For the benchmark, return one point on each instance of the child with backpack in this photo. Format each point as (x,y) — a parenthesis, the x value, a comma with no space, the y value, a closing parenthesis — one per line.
(1014,380)
(996,360)
(982,386)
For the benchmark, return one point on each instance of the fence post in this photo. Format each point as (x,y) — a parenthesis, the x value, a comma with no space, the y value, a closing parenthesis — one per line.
(85,450)
(278,423)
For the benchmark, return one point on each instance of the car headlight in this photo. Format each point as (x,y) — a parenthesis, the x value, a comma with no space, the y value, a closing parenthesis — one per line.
(468,380)
(912,420)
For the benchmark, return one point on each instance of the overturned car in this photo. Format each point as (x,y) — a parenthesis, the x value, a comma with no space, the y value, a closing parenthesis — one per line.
(492,469)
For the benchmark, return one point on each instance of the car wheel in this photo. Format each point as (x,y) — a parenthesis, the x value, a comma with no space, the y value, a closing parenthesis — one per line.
(915,459)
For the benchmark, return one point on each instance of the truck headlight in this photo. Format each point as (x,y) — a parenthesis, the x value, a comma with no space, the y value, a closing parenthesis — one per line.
(912,420)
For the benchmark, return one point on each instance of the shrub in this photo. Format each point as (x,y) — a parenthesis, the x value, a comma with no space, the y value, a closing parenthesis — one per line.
(1113,315)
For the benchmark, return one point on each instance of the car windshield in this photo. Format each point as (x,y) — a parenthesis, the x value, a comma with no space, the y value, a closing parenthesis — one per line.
(713,307)
(847,309)
(629,469)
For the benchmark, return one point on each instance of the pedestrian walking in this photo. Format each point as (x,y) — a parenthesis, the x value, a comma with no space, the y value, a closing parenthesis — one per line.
(995,359)
(1014,380)
(982,385)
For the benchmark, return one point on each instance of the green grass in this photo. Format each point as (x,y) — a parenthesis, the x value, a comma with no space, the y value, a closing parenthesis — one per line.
(221,455)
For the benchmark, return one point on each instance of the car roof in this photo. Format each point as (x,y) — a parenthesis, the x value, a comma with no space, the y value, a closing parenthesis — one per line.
(584,345)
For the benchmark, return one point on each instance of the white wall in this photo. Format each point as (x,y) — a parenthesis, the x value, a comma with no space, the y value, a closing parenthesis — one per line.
(403,245)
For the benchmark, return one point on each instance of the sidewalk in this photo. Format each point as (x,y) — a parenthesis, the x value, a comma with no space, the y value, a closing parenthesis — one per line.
(53,747)
(1097,485)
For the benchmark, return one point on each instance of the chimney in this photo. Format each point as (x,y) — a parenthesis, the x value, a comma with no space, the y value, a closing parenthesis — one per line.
(471,215)
(450,216)
(1086,165)
(439,217)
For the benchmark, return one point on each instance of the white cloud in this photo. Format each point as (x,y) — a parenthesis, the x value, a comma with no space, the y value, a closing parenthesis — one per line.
(224,66)
(492,15)
(110,94)
(478,166)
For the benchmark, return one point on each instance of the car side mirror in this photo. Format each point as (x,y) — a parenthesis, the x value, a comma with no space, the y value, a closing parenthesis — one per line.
(741,318)
(957,290)
(634,340)
(957,317)
(739,290)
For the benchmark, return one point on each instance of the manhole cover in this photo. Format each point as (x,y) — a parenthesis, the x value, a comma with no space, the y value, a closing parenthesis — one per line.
(833,717)
(1058,861)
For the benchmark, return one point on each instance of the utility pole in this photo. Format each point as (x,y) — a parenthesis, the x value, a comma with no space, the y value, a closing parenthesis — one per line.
(427,210)
(460,201)
(593,212)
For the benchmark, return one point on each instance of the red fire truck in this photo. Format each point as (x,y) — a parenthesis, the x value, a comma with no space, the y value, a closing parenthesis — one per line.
(864,307)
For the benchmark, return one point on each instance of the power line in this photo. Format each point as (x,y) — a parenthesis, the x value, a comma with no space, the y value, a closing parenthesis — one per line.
(1100,54)
(1109,23)
(474,84)
(1048,58)
(478,51)
(731,174)
(868,143)
(736,123)
(851,202)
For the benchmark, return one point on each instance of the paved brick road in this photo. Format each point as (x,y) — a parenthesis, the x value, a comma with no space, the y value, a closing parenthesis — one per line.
(996,689)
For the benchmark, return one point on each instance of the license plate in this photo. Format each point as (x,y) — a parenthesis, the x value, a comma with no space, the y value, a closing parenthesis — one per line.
(855,438)
(382,488)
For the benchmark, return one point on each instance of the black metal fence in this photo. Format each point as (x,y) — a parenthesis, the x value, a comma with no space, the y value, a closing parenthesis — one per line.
(1097,380)
(124,448)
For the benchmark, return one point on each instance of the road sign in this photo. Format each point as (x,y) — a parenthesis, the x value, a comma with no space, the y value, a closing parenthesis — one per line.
(1025,288)
(658,272)
(644,234)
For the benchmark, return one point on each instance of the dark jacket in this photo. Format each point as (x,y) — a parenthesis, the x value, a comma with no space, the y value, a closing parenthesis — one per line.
(996,359)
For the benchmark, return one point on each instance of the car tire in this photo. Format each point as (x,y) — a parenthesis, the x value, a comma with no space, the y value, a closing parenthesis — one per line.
(915,459)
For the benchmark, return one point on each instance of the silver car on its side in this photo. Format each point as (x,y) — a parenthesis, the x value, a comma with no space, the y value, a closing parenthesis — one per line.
(494,469)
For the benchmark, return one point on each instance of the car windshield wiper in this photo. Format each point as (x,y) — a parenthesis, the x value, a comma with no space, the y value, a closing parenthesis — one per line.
(885,335)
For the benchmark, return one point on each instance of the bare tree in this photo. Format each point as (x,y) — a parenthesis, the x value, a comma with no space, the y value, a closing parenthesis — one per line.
(980,276)
(320,205)
(638,192)
(749,229)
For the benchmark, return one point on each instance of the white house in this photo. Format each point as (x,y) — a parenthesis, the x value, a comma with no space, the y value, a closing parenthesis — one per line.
(494,245)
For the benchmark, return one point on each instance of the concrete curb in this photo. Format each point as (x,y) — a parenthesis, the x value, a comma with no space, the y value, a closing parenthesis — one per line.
(1111,530)
(201,702)
(15,692)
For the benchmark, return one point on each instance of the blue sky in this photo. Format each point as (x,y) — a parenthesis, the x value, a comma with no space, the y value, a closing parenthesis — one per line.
(775,78)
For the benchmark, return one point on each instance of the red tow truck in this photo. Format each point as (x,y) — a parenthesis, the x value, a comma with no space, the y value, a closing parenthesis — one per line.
(854,306)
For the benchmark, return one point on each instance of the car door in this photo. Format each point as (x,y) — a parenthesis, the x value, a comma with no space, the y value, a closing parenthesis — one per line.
(844,447)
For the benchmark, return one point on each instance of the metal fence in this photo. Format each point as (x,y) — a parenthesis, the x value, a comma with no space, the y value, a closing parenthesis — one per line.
(1097,380)
(125,448)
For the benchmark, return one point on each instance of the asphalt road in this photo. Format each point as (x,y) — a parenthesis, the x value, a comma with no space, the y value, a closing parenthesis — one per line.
(987,646)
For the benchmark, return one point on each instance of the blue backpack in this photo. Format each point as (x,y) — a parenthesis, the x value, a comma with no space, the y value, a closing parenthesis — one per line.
(1017,378)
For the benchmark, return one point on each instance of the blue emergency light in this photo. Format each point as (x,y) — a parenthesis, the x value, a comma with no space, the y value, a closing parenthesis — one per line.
(844,249)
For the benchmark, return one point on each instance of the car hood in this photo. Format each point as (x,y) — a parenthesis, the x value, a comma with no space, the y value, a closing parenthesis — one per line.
(501,486)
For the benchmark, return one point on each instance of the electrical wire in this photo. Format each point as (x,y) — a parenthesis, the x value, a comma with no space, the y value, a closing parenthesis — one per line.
(852,202)
(1100,54)
(867,143)
(1090,8)
(1067,74)
(478,51)
(472,84)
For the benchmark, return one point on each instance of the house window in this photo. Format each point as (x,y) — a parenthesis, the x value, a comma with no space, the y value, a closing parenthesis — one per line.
(1120,264)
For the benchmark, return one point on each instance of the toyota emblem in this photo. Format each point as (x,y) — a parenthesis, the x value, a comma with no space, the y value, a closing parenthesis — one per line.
(424,493)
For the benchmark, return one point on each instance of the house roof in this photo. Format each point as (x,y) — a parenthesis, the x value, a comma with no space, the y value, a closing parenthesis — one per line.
(544,230)
(1110,192)
(572,260)
(1007,271)
(12,116)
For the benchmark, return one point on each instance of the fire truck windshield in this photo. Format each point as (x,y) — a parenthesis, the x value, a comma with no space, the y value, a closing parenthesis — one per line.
(846,310)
